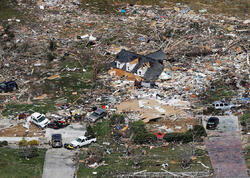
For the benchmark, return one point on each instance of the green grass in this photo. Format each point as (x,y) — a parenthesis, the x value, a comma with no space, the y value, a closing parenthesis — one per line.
(102,129)
(247,156)
(7,9)
(77,80)
(220,94)
(12,166)
(222,91)
(69,81)
(42,107)
(148,159)
(245,117)
(247,159)
(115,165)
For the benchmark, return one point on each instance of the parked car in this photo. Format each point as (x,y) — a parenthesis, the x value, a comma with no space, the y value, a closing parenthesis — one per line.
(212,122)
(39,119)
(97,114)
(57,124)
(8,87)
(56,140)
(81,141)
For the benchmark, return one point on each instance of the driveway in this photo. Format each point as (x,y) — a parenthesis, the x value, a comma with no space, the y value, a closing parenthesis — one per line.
(225,150)
(227,125)
(60,163)
(226,156)
(69,133)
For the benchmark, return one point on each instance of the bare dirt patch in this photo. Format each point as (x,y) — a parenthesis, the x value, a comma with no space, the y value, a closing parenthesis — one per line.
(179,125)
(20,131)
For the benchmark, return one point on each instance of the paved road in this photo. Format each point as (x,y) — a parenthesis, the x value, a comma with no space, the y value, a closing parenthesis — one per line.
(59,163)
(225,149)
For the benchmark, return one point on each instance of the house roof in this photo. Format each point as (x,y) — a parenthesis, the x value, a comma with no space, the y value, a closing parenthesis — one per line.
(155,68)
(158,55)
(154,71)
(126,56)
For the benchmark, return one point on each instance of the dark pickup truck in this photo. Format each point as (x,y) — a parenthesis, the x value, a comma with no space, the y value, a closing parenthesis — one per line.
(56,141)
(8,87)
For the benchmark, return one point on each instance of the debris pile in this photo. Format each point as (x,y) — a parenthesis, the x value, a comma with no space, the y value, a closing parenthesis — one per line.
(167,67)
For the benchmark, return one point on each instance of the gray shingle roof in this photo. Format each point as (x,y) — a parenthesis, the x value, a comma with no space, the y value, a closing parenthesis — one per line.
(158,55)
(152,73)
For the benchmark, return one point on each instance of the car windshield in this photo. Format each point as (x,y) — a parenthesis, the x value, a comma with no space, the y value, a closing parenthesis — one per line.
(210,122)
(78,140)
(2,85)
(95,114)
(56,137)
(41,119)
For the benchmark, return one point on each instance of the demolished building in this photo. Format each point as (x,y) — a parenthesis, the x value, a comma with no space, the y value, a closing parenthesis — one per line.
(148,67)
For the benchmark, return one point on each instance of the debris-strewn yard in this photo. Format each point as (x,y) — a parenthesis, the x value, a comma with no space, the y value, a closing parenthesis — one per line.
(112,156)
(143,158)
(247,157)
(142,76)
(236,7)
(12,165)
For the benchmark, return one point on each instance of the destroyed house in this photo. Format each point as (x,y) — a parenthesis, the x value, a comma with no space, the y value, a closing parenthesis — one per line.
(149,68)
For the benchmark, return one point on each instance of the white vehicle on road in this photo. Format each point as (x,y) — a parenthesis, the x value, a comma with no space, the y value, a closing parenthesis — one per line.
(81,141)
(39,119)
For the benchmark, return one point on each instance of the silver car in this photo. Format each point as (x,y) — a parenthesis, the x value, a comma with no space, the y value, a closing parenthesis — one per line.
(97,114)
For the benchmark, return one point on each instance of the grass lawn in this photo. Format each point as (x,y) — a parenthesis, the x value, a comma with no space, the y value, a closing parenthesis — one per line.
(12,166)
(247,157)
(42,107)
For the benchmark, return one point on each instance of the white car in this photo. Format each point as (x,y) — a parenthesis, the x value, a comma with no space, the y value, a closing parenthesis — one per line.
(223,105)
(39,119)
(81,141)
